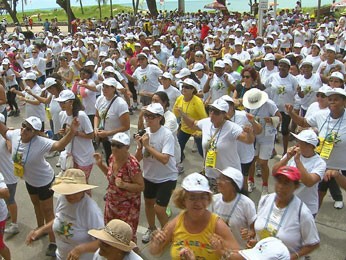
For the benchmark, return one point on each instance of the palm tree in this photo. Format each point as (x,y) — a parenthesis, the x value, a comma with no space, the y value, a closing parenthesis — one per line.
(99,4)
(81,5)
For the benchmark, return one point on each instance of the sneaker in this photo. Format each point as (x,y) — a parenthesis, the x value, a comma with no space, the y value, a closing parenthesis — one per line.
(147,236)
(51,250)
(258,172)
(130,111)
(180,169)
(264,190)
(338,204)
(194,147)
(16,114)
(58,164)
(251,186)
(12,229)
(168,212)
(11,113)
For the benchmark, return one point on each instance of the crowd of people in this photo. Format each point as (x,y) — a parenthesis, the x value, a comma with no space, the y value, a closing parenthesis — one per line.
(203,76)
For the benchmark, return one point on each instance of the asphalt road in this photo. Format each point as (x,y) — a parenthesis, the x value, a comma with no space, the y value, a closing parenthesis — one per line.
(331,223)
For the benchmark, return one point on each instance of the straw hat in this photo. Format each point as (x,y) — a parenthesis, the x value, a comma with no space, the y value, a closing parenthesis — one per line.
(70,182)
(117,234)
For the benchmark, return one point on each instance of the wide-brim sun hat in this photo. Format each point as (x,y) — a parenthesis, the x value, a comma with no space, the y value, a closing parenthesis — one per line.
(254,98)
(72,181)
(196,182)
(116,233)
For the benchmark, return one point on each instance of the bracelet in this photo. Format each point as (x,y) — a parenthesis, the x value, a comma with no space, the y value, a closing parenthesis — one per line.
(227,255)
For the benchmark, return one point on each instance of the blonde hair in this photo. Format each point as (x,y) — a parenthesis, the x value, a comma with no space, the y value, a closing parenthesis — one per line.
(179,197)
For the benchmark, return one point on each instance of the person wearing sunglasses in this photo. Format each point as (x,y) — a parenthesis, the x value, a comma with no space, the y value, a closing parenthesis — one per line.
(38,63)
(156,149)
(218,135)
(321,103)
(28,151)
(125,183)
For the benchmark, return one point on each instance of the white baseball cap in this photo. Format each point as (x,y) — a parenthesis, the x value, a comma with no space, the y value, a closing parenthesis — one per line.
(167,75)
(338,75)
(65,95)
(297,45)
(109,69)
(324,89)
(228,61)
(155,108)
(196,182)
(220,104)
(110,82)
(35,122)
(336,91)
(227,98)
(183,73)
(269,248)
(142,54)
(307,136)
(269,56)
(103,54)
(27,65)
(305,62)
(286,61)
(219,64)
(89,63)
(30,76)
(156,43)
(48,83)
(191,82)
(197,67)
(198,53)
(121,138)
(109,60)
(331,48)
(6,61)
(231,173)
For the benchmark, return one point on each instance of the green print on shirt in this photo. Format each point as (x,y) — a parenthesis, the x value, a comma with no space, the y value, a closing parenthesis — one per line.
(65,229)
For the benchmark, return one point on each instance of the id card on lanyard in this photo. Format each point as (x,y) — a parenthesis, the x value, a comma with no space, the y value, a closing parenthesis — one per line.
(210,157)
(19,162)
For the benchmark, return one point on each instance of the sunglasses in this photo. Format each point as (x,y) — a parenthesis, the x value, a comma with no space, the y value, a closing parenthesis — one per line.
(215,111)
(321,95)
(246,77)
(188,87)
(117,145)
(34,52)
(150,116)
(27,128)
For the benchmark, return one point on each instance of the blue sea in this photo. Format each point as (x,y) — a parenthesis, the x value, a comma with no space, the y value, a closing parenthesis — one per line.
(190,5)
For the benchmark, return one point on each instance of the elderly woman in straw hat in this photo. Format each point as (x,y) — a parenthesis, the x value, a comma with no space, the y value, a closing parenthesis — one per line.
(115,242)
(76,213)
(125,183)
(195,224)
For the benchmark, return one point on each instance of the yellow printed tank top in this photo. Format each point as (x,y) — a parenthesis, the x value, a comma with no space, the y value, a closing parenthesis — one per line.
(198,243)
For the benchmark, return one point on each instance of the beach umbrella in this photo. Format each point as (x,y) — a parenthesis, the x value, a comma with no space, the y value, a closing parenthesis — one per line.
(340,4)
(215,5)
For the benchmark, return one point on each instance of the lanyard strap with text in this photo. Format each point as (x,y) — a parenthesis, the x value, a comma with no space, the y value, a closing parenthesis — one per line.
(282,218)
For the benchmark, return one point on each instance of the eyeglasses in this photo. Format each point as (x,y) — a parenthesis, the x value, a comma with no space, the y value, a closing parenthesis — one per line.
(197,197)
(321,95)
(117,145)
(246,76)
(215,111)
(27,128)
(150,116)
(187,87)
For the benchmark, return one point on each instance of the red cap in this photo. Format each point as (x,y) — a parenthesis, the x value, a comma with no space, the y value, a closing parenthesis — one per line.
(290,172)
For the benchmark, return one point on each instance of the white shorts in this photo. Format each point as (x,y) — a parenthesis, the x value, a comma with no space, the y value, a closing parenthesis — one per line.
(264,151)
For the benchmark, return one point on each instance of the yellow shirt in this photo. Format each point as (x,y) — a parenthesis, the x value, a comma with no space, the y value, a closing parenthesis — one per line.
(198,243)
(193,108)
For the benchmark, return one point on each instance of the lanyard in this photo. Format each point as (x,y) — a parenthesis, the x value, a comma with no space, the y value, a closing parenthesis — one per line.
(218,132)
(282,218)
(234,207)
(328,119)
(27,154)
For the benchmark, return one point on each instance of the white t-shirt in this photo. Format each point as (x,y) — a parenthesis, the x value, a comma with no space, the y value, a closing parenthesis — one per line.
(55,110)
(34,110)
(172,93)
(268,109)
(82,148)
(37,171)
(6,163)
(172,124)
(3,207)
(237,214)
(225,138)
(148,78)
(90,99)
(265,73)
(246,151)
(72,223)
(153,170)
(219,86)
(316,60)
(281,90)
(129,256)
(310,88)
(309,195)
(297,229)
(326,124)
(40,63)
(328,67)
(314,108)
(175,64)
(118,108)
(285,40)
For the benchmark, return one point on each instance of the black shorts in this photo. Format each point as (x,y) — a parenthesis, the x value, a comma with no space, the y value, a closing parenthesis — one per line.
(160,191)
(43,192)
(245,167)
(286,120)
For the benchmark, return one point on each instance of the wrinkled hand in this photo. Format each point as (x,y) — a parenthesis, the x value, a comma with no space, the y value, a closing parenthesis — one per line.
(217,243)
(186,254)
(245,234)
(98,158)
(330,173)
(290,152)
(297,154)
(74,254)
(159,237)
